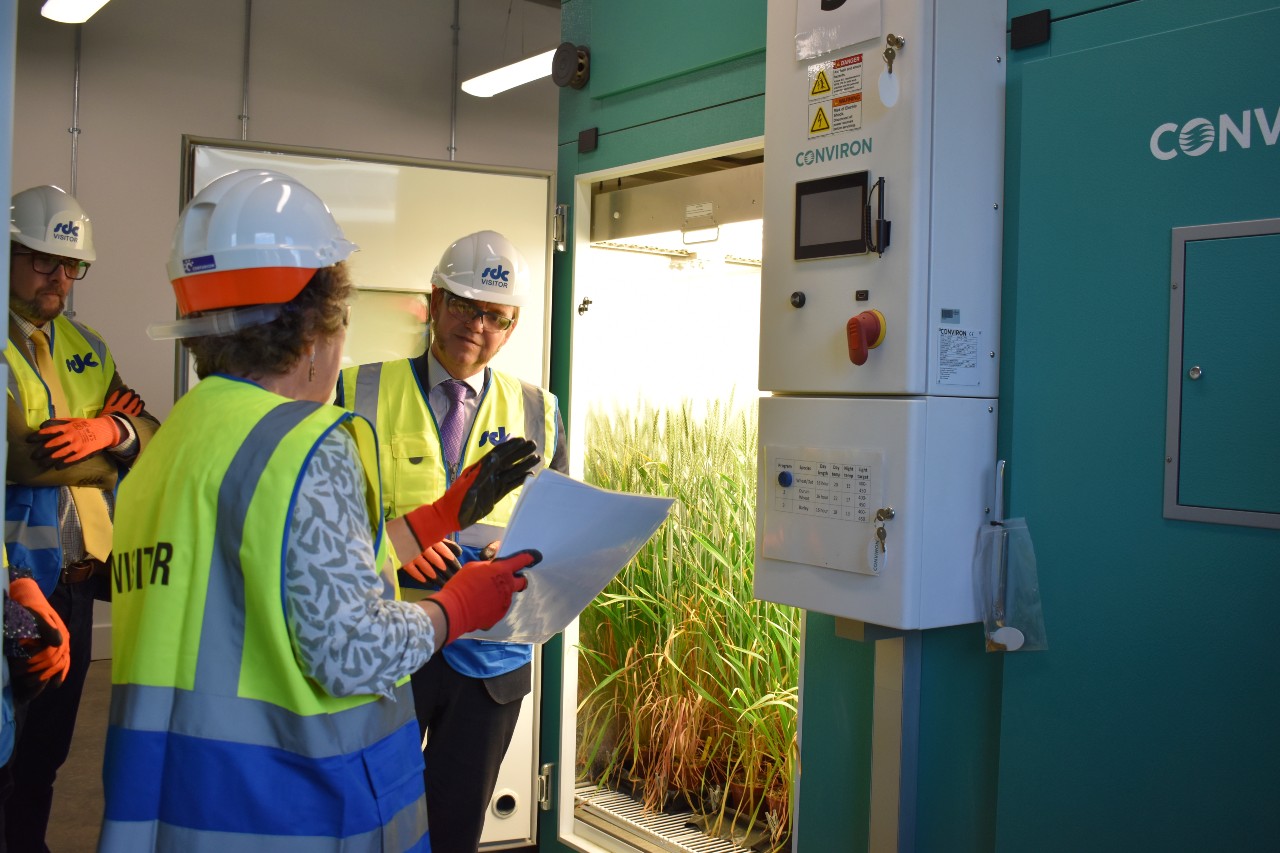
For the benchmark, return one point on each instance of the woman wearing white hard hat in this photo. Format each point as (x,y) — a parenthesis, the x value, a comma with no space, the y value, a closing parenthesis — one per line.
(260,652)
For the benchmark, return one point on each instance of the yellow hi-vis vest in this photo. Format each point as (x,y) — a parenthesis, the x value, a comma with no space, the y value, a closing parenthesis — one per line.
(414,471)
(410,452)
(31,534)
(217,740)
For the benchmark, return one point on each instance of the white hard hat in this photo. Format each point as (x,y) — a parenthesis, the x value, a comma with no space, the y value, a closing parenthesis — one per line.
(251,237)
(485,267)
(50,220)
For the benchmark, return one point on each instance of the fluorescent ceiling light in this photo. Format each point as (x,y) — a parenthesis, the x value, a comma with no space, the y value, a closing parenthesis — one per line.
(71,11)
(507,77)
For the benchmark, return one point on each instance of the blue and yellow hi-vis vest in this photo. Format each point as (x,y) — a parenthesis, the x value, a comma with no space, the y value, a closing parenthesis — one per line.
(31,534)
(217,740)
(414,471)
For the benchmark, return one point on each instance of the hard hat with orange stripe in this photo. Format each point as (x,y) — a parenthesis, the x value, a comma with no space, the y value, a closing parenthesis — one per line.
(252,237)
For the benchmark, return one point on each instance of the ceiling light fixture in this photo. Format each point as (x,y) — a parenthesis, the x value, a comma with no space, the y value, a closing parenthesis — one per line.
(71,11)
(507,77)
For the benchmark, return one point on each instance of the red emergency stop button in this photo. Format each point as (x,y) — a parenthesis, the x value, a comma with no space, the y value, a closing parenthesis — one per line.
(865,333)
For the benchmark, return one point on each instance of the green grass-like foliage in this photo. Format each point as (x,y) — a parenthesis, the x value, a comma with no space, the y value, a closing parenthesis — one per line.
(687,683)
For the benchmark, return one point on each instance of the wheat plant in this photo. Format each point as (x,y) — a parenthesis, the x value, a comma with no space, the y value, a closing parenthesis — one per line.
(687,682)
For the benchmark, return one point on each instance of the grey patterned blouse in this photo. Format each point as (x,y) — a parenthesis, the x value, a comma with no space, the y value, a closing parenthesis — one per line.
(347,637)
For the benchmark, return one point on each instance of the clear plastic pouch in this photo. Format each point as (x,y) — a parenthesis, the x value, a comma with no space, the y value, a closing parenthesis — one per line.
(1010,590)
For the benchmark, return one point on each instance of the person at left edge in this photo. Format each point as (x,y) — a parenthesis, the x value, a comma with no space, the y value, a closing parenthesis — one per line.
(260,654)
(73,427)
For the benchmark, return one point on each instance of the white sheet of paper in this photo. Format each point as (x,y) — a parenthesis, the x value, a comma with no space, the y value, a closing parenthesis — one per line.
(586,536)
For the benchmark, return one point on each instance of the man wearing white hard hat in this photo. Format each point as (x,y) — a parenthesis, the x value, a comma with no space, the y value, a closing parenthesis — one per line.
(74,427)
(435,414)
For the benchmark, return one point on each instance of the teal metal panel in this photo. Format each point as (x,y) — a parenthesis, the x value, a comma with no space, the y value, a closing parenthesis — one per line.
(835,749)
(1059,9)
(1131,19)
(959,743)
(725,83)
(688,37)
(1230,458)
(1146,725)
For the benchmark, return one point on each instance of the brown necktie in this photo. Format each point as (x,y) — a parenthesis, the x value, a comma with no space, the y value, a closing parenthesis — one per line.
(91,504)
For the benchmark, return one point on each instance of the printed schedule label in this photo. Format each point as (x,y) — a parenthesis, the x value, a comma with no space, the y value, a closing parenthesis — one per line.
(824,489)
(822,504)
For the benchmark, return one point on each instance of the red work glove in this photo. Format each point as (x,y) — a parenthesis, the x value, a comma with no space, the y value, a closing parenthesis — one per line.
(435,565)
(473,494)
(478,596)
(64,441)
(124,401)
(50,654)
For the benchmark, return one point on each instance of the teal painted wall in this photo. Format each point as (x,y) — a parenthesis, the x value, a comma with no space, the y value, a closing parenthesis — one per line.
(1149,724)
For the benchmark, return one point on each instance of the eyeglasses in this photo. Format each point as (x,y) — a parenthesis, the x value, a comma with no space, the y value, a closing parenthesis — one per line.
(47,264)
(466,310)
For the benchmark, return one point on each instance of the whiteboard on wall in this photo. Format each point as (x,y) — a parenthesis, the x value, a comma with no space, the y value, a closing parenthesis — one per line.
(403,213)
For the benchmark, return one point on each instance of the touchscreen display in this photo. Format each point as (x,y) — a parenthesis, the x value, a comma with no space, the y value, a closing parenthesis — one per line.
(831,216)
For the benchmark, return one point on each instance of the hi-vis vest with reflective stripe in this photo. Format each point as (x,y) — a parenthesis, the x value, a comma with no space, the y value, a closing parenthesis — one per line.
(31,512)
(217,741)
(413,465)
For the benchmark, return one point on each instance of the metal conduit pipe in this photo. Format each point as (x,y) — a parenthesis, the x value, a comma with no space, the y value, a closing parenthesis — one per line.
(453,86)
(74,130)
(244,77)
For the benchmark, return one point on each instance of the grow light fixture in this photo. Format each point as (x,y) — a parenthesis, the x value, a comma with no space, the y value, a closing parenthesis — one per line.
(507,77)
(71,11)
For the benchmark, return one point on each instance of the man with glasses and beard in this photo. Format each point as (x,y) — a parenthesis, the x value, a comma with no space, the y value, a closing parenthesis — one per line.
(73,428)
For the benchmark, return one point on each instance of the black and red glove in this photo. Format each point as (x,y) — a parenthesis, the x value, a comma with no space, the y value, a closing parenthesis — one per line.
(64,441)
(473,495)
(123,401)
(435,565)
(479,595)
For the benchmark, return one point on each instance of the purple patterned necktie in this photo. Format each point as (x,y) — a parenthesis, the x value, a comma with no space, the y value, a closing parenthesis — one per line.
(451,427)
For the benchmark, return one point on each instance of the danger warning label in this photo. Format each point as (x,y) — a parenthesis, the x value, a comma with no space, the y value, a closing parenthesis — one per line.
(821,84)
(835,78)
(835,95)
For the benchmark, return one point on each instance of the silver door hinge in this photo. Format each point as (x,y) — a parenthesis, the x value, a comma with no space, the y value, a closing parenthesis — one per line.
(544,787)
(559,224)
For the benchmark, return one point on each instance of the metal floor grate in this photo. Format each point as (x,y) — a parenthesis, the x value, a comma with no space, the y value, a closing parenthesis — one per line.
(677,833)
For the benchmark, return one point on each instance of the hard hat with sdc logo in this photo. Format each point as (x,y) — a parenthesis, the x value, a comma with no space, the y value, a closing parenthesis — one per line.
(50,220)
(485,267)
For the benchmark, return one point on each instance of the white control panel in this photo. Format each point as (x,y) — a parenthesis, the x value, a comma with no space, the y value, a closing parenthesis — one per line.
(824,502)
(883,192)
(822,482)
(880,305)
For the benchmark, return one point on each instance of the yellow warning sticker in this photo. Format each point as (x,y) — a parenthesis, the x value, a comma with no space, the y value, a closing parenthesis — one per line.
(819,123)
(821,85)
(836,115)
